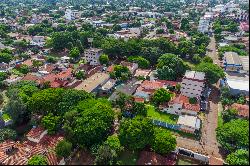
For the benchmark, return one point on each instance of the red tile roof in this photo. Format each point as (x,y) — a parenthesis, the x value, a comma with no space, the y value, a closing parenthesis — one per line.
(139,100)
(24,151)
(243,110)
(35,132)
(64,74)
(110,68)
(152,85)
(30,77)
(185,101)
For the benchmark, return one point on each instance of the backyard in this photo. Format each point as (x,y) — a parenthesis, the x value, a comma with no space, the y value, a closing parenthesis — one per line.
(157,115)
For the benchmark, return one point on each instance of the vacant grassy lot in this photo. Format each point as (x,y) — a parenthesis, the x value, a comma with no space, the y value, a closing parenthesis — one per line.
(157,115)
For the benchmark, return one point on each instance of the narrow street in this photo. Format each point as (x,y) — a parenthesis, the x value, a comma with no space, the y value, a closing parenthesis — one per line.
(208,144)
(212,51)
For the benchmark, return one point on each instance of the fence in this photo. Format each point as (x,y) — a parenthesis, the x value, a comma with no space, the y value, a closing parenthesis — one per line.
(166,125)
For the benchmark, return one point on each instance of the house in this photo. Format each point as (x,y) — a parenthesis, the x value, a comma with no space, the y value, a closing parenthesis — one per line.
(142,73)
(93,83)
(180,105)
(65,75)
(232,62)
(193,84)
(244,26)
(131,66)
(36,134)
(92,56)
(107,87)
(243,110)
(189,124)
(147,88)
(38,41)
(32,77)
(12,80)
(18,153)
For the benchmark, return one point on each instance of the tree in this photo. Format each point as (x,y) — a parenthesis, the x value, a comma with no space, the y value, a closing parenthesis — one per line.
(136,133)
(163,142)
(196,59)
(193,100)
(45,101)
(173,63)
(229,115)
(104,59)
(79,46)
(159,31)
(23,69)
(233,135)
(160,96)
(80,75)
(63,148)
(89,123)
(185,24)
(239,157)
(212,71)
(6,134)
(166,73)
(142,62)
(37,63)
(207,59)
(109,151)
(51,59)
(37,160)
(117,27)
(121,72)
(51,123)
(5,57)
(74,53)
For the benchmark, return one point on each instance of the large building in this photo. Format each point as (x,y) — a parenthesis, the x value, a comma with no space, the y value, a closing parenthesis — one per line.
(92,56)
(193,84)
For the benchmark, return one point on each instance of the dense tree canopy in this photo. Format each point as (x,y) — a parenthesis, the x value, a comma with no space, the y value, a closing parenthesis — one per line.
(173,64)
(89,123)
(233,135)
(133,132)
(63,148)
(239,157)
(6,134)
(212,71)
(161,95)
(163,142)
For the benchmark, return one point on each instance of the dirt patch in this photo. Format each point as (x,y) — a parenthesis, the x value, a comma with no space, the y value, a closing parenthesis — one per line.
(152,158)
(82,158)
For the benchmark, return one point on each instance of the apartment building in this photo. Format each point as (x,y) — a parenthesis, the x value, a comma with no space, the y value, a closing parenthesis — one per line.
(192,84)
(92,56)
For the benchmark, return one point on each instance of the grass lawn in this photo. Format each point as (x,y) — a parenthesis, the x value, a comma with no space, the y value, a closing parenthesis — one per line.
(6,117)
(189,63)
(157,115)
(220,120)
(128,157)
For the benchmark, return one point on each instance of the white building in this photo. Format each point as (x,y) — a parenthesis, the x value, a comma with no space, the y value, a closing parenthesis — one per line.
(38,41)
(92,56)
(192,84)
(203,25)
(72,14)
(189,123)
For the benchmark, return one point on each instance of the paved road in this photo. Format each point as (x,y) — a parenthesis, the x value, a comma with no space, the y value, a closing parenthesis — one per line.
(212,51)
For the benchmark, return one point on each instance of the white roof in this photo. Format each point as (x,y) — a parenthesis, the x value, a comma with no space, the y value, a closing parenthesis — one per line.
(191,121)
(242,85)
(195,75)
(245,62)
